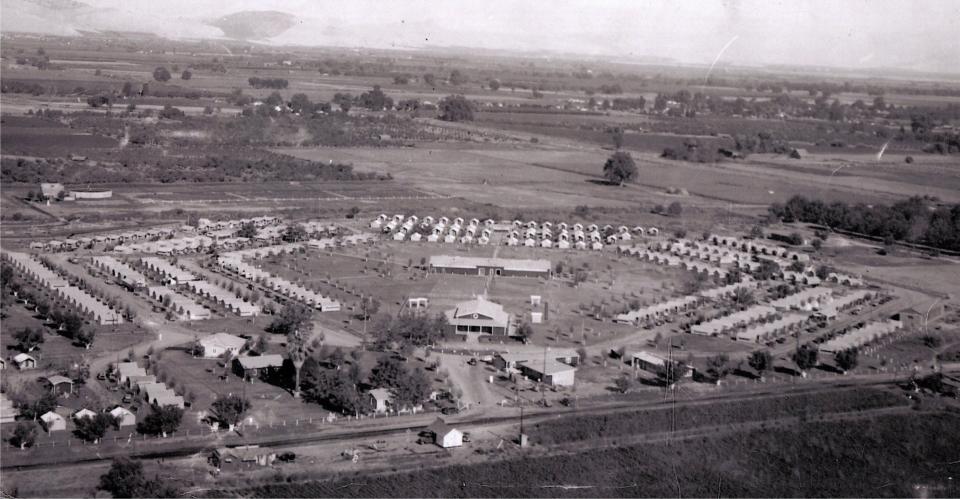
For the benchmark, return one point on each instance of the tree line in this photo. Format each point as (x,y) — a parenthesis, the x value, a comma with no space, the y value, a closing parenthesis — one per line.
(917,219)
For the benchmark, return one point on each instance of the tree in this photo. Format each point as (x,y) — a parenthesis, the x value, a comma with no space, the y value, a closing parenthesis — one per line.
(28,339)
(672,372)
(619,168)
(623,383)
(161,420)
(101,100)
(457,77)
(124,478)
(412,389)
(297,357)
(186,74)
(85,337)
(294,233)
(94,427)
(170,113)
(292,317)
(494,85)
(24,435)
(675,209)
(718,366)
(616,134)
(760,361)
(388,372)
(300,104)
(805,357)
(229,409)
(369,306)
(161,74)
(846,359)
(429,79)
(248,230)
(455,108)
(796,266)
(525,331)
(744,297)
(261,345)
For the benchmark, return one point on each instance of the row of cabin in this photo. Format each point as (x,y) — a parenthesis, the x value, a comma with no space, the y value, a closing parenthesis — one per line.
(70,244)
(184,307)
(659,310)
(764,332)
(74,296)
(727,324)
(862,336)
(147,386)
(166,272)
(183,246)
(120,271)
(759,248)
(224,297)
(280,285)
(672,260)
(56,420)
(205,224)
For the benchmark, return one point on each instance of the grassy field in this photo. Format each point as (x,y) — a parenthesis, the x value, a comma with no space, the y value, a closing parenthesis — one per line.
(889,456)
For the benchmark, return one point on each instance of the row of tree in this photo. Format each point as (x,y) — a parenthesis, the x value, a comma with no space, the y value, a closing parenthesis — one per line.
(917,219)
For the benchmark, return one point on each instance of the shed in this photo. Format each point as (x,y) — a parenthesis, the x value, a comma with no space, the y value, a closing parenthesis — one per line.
(445,435)
(380,399)
(60,384)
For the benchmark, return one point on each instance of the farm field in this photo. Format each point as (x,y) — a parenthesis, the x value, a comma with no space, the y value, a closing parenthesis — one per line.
(888,455)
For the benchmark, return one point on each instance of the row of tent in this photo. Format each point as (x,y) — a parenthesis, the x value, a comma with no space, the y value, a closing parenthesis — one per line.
(76,297)
(737,320)
(771,330)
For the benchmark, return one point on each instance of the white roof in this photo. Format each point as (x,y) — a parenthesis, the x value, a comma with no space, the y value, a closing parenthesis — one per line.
(505,263)
(223,340)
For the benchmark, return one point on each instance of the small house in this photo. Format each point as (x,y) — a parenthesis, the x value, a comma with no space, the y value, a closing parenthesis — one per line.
(53,422)
(123,416)
(242,457)
(24,361)
(216,345)
(380,399)
(83,413)
(251,367)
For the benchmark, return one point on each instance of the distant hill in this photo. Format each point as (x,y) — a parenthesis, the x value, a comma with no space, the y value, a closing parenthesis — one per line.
(254,24)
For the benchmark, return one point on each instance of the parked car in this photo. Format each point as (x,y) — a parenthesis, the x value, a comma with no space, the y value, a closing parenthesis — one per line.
(449,410)
(287,457)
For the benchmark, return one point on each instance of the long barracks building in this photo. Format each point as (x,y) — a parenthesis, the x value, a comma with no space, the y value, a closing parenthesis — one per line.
(508,267)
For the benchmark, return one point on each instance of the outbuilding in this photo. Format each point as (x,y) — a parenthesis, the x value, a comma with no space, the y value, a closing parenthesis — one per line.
(24,361)
(445,435)
(53,422)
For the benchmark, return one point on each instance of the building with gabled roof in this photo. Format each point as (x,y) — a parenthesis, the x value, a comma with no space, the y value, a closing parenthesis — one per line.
(217,344)
(478,316)
(445,435)
(508,267)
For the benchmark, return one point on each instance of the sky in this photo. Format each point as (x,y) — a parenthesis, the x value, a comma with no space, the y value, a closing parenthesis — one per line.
(903,34)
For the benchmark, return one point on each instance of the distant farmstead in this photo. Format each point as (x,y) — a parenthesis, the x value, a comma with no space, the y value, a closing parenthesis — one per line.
(507,267)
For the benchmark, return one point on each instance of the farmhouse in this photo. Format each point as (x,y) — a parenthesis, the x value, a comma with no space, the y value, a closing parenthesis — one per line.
(380,399)
(215,345)
(508,267)
(445,435)
(478,316)
(922,315)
